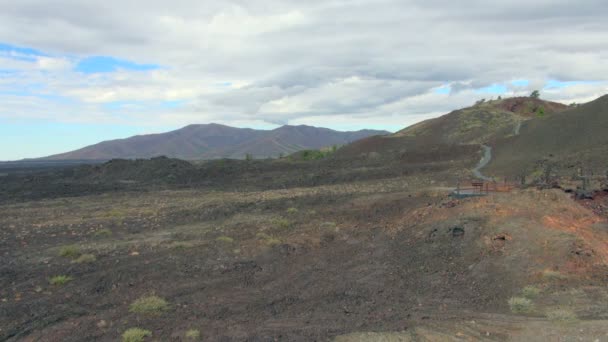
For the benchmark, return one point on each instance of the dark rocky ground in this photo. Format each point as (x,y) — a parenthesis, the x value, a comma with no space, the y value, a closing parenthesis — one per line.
(294,250)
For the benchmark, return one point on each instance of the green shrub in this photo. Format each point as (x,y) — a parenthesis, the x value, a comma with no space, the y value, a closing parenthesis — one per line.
(103,232)
(520,304)
(85,259)
(530,291)
(268,239)
(292,210)
(135,335)
(272,241)
(328,224)
(561,315)
(71,251)
(262,236)
(193,334)
(225,239)
(149,305)
(549,274)
(282,223)
(60,280)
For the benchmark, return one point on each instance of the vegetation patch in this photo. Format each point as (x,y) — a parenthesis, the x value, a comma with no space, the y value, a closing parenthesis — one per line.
(116,214)
(282,223)
(530,292)
(561,315)
(328,225)
(59,280)
(149,305)
(105,232)
(71,251)
(272,241)
(135,335)
(85,259)
(292,210)
(180,245)
(520,305)
(316,154)
(225,239)
(193,334)
(268,240)
(550,274)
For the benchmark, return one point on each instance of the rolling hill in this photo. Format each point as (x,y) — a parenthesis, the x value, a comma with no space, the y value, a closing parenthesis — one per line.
(212,141)
(569,140)
(483,123)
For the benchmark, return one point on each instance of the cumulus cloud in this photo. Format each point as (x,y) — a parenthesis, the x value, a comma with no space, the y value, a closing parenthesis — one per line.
(337,63)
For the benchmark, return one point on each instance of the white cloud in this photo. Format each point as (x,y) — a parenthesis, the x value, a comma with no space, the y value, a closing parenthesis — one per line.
(329,63)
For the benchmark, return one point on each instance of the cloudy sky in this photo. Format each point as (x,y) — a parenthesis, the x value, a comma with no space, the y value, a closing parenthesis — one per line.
(76,72)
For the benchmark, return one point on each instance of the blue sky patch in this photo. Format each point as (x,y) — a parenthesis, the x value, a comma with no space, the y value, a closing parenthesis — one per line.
(493,89)
(99,64)
(520,83)
(555,84)
(446,89)
(224,84)
(142,105)
(31,92)
(42,138)
(172,104)
(19,53)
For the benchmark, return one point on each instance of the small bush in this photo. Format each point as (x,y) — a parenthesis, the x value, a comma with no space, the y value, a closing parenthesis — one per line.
(71,252)
(314,154)
(328,224)
(135,335)
(550,274)
(282,223)
(520,304)
(60,280)
(85,259)
(292,210)
(225,239)
(561,315)
(530,291)
(103,232)
(149,305)
(272,241)
(193,334)
(262,236)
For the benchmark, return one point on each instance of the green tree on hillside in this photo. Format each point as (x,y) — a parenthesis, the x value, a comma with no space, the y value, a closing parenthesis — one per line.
(540,112)
(535,94)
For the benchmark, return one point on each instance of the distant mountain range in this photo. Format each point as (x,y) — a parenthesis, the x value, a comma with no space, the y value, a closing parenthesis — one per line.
(212,141)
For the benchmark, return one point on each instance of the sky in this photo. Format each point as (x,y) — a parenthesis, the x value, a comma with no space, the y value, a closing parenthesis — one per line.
(73,73)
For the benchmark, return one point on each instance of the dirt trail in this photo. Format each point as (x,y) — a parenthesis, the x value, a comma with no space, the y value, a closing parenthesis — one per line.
(517,128)
(485,159)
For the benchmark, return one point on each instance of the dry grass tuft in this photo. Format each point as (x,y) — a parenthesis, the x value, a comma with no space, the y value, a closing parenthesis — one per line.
(85,259)
(225,239)
(59,280)
(530,291)
(520,305)
(135,335)
(554,275)
(561,315)
(149,305)
(105,232)
(282,223)
(71,251)
(193,334)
